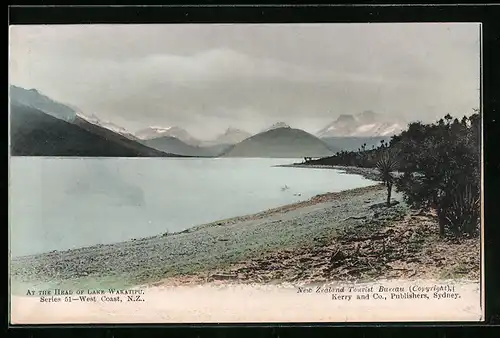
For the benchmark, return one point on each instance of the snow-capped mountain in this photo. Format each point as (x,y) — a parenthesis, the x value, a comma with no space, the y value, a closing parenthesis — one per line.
(231,136)
(157,131)
(151,132)
(106,124)
(276,126)
(366,123)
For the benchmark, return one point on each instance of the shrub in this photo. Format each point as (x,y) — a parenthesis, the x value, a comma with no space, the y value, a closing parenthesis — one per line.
(441,165)
(463,214)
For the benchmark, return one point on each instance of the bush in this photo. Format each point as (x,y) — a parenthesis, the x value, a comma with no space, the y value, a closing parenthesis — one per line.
(439,165)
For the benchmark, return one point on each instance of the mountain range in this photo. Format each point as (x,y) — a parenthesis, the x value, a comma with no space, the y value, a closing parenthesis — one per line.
(177,132)
(230,137)
(365,124)
(347,132)
(35,133)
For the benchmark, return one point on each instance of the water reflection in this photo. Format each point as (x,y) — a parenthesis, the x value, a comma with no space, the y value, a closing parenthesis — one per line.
(99,179)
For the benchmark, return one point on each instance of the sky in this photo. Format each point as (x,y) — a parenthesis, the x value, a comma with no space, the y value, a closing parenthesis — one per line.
(208,77)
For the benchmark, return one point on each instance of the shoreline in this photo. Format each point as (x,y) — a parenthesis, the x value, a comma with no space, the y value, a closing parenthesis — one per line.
(317,199)
(368,173)
(291,243)
(219,241)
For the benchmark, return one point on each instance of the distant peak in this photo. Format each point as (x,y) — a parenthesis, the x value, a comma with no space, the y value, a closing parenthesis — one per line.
(33,90)
(151,132)
(94,119)
(281,125)
(345,117)
(278,125)
(159,128)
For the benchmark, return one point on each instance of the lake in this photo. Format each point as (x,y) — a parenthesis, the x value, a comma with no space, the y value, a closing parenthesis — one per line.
(66,203)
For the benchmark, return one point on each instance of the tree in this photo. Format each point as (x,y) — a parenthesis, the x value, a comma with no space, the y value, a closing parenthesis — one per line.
(441,165)
(386,166)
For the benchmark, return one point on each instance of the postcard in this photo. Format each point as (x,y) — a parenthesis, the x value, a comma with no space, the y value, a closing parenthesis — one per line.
(245,173)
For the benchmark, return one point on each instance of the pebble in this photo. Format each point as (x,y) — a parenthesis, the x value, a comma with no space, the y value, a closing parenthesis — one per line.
(207,247)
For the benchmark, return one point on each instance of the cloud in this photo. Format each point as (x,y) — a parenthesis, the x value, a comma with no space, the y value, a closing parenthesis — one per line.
(200,76)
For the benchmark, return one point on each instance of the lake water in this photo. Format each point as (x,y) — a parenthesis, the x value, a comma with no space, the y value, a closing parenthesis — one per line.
(58,204)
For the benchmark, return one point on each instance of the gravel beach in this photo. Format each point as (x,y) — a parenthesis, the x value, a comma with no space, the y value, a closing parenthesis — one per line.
(201,248)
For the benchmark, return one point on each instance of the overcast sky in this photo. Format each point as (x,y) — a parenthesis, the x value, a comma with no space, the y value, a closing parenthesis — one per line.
(206,78)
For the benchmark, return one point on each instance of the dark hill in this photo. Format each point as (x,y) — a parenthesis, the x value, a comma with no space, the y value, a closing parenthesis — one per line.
(35,133)
(34,99)
(281,142)
(174,145)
